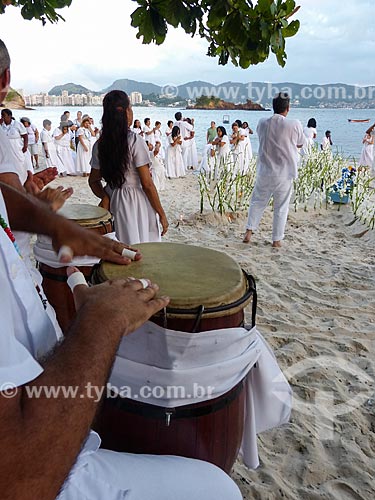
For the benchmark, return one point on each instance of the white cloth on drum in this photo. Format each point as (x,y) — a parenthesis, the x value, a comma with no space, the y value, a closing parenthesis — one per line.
(44,252)
(217,361)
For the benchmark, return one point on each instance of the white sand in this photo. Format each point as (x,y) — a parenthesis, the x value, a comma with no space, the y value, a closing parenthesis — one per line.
(316,305)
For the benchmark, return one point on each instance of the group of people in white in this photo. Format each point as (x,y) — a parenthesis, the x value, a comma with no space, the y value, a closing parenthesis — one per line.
(68,147)
(221,148)
(173,153)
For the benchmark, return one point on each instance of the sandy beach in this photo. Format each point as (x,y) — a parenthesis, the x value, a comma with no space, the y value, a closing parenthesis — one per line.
(317,310)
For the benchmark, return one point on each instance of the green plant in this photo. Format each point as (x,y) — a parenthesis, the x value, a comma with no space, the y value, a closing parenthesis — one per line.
(224,187)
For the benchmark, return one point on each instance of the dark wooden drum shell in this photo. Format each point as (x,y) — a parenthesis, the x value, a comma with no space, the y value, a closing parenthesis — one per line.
(209,430)
(54,282)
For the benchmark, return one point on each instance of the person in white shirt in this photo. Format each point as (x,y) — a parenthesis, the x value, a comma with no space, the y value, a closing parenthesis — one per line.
(33,138)
(17,135)
(137,128)
(279,140)
(310,134)
(77,123)
(186,130)
(246,131)
(326,142)
(36,432)
(158,135)
(62,139)
(49,149)
(149,132)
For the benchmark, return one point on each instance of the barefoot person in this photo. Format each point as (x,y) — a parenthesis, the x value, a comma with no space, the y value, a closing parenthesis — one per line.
(279,139)
(50,451)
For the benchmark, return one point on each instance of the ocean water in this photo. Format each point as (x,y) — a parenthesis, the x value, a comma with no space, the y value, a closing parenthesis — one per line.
(347,137)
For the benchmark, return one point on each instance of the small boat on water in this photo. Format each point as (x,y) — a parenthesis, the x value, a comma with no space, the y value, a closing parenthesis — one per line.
(359,121)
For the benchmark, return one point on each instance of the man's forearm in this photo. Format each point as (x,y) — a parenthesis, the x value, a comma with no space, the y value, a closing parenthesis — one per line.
(27,214)
(60,422)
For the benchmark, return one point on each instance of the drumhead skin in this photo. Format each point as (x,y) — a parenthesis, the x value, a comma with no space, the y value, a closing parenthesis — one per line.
(84,214)
(191,276)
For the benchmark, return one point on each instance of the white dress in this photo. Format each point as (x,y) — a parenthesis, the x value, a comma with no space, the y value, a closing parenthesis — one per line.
(238,153)
(148,137)
(64,152)
(53,160)
(134,218)
(309,133)
(159,138)
(14,131)
(223,151)
(174,163)
(367,154)
(157,171)
(84,157)
(248,150)
(192,154)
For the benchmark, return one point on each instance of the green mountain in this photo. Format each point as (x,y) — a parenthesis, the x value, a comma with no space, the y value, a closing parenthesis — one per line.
(72,88)
(129,86)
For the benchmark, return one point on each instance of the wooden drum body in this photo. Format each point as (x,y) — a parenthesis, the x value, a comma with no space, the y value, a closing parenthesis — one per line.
(208,291)
(55,286)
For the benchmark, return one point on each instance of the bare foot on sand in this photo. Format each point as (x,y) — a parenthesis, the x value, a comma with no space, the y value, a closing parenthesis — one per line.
(247,237)
(276,244)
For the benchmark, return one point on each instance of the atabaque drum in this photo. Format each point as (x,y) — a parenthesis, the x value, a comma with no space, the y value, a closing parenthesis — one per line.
(55,286)
(208,291)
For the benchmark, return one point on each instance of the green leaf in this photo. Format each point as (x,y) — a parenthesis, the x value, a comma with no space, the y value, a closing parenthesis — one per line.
(264,6)
(291,29)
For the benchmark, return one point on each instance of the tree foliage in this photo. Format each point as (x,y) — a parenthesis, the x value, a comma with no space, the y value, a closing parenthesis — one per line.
(241,31)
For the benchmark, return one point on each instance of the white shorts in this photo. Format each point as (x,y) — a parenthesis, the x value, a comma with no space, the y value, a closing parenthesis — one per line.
(33,148)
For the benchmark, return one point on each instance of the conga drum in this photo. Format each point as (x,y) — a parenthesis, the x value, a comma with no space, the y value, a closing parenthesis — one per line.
(54,284)
(208,291)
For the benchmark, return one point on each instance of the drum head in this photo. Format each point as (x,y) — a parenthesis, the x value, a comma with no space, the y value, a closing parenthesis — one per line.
(191,276)
(84,214)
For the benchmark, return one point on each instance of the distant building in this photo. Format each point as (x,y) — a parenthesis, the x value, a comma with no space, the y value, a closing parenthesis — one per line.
(65,97)
(136,98)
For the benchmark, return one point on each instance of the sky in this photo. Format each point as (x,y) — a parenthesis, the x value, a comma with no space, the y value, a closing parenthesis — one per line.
(96,45)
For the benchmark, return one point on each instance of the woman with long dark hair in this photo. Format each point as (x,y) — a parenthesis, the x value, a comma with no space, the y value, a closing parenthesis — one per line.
(222,144)
(174,163)
(121,158)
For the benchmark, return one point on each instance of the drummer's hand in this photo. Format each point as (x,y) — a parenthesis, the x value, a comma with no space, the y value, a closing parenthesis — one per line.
(55,198)
(36,182)
(105,203)
(46,176)
(80,241)
(125,303)
(164,224)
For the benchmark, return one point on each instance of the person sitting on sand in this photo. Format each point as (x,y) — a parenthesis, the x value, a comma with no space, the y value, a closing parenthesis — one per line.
(279,139)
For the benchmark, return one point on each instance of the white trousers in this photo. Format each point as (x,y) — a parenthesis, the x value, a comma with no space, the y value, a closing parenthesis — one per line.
(109,475)
(281,190)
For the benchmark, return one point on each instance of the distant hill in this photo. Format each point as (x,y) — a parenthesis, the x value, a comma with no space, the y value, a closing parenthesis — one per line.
(334,95)
(72,88)
(129,86)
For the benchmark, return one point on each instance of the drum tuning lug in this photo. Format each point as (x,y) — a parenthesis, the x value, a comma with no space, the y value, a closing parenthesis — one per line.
(168,416)
(165,318)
